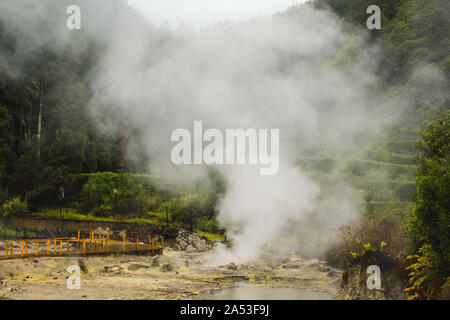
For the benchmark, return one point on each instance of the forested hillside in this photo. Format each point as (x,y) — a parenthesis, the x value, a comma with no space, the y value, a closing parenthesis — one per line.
(415,36)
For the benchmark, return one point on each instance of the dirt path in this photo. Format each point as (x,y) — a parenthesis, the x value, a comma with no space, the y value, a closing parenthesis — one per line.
(176,275)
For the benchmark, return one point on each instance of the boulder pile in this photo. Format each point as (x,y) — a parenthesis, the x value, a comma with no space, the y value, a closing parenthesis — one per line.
(189,242)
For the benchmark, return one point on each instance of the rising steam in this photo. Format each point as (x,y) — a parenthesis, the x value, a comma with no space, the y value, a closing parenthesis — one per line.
(298,72)
(278,72)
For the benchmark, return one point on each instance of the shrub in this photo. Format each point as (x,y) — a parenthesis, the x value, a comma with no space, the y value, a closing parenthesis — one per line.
(52,191)
(102,212)
(14,207)
(43,197)
(132,192)
(402,159)
(208,225)
(381,231)
(405,191)
(187,209)
(365,168)
(318,164)
(428,225)
(379,155)
(402,147)
(154,203)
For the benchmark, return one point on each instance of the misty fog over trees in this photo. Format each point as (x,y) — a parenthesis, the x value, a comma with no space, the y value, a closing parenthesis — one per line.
(69,148)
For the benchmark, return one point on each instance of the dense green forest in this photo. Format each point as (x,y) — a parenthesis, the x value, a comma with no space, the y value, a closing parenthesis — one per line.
(414,34)
(54,155)
(55,160)
(408,208)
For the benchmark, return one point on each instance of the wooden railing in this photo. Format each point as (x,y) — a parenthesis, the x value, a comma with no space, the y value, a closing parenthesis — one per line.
(95,243)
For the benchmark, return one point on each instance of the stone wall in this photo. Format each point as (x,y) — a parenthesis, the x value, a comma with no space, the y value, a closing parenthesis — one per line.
(59,227)
(191,241)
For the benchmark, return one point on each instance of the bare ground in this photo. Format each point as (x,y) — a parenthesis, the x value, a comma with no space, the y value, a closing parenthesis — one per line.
(176,275)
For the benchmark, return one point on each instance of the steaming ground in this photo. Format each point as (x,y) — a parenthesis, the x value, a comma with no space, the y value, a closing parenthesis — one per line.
(257,209)
(176,275)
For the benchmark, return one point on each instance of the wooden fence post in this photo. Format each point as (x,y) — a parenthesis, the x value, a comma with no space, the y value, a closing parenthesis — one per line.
(37,248)
(123,241)
(21,248)
(84,247)
(7,248)
(78,240)
(48,247)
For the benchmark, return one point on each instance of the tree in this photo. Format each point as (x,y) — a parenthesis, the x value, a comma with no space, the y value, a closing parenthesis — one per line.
(6,139)
(429,223)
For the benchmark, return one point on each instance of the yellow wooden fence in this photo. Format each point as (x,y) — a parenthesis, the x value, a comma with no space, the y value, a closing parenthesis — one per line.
(95,243)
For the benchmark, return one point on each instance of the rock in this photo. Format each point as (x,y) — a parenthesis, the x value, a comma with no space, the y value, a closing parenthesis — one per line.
(325,268)
(136,266)
(155,261)
(191,241)
(354,279)
(333,273)
(291,265)
(231,266)
(82,266)
(101,230)
(312,263)
(167,268)
(168,250)
(113,269)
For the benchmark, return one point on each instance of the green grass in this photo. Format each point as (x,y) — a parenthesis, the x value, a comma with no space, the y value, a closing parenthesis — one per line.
(7,232)
(153,218)
(70,215)
(156,218)
(211,236)
(375,206)
(161,215)
(74,215)
(325,165)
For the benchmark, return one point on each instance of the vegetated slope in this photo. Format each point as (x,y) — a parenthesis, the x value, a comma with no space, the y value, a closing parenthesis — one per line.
(415,37)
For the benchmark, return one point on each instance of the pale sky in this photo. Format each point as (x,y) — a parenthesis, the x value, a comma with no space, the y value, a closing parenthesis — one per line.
(203,12)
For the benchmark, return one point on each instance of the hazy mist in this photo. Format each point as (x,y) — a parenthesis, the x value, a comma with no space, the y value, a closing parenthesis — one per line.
(289,72)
